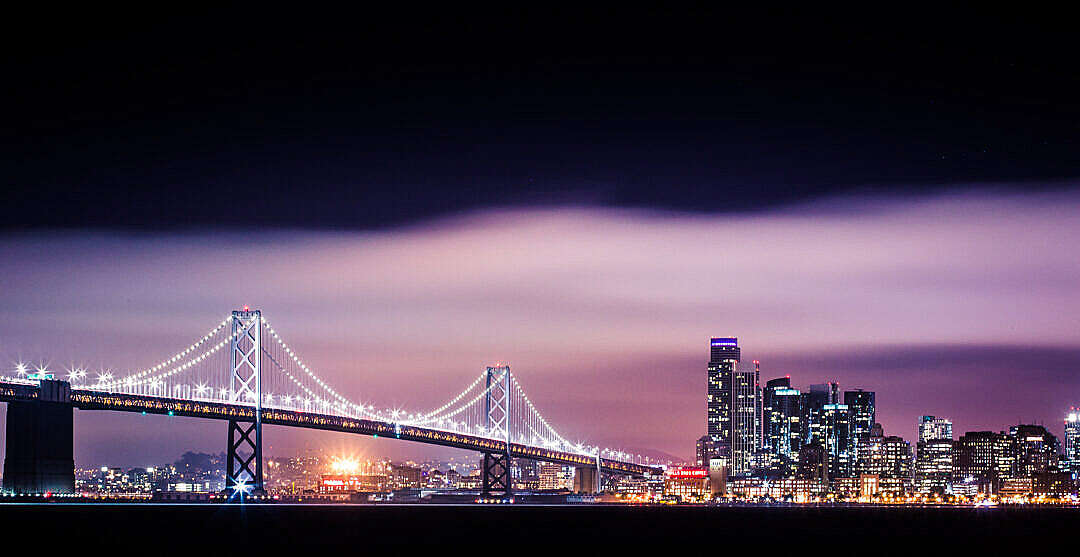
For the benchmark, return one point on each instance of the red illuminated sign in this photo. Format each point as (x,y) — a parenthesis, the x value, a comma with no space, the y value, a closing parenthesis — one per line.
(688,472)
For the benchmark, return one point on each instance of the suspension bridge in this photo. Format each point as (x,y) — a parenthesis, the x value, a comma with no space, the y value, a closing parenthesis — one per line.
(243,372)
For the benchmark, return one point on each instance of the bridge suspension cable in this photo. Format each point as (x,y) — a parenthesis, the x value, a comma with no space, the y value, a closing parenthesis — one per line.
(500,410)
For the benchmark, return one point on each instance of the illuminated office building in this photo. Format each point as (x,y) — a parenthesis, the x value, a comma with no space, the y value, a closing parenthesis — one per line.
(745,420)
(931,428)
(706,449)
(1036,450)
(934,456)
(1072,441)
(813,406)
(723,357)
(985,457)
(838,440)
(782,426)
(863,415)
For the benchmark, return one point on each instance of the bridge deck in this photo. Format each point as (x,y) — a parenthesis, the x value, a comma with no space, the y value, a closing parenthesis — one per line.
(97,400)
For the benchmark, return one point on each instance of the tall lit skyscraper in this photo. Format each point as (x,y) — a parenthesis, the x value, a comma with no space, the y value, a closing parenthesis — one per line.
(863,416)
(934,456)
(782,426)
(838,440)
(1072,442)
(723,357)
(813,406)
(931,428)
(745,419)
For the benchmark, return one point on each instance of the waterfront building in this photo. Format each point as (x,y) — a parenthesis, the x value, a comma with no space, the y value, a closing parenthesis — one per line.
(934,456)
(687,483)
(1053,484)
(354,483)
(404,476)
(556,476)
(649,487)
(781,489)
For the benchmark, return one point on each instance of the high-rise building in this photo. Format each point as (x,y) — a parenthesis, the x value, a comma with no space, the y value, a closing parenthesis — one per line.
(838,440)
(931,428)
(1036,450)
(1072,442)
(863,416)
(934,456)
(889,457)
(555,476)
(813,406)
(724,355)
(782,427)
(984,456)
(705,450)
(745,420)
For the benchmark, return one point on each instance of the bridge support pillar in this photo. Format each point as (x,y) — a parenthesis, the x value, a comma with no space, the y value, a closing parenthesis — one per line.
(243,466)
(40,437)
(495,474)
(586,480)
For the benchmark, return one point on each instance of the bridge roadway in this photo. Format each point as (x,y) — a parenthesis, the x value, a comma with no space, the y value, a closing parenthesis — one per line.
(86,399)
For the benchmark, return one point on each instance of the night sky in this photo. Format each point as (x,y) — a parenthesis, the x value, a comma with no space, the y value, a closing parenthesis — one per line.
(885,200)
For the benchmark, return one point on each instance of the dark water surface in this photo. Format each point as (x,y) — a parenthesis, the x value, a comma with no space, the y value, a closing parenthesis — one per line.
(436,529)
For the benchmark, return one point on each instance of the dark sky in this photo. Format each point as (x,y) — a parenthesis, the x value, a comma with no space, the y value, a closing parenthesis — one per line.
(364,120)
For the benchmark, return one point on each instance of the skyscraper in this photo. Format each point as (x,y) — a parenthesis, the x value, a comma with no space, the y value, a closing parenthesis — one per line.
(782,426)
(723,357)
(838,440)
(934,455)
(745,419)
(813,405)
(1072,442)
(889,458)
(863,416)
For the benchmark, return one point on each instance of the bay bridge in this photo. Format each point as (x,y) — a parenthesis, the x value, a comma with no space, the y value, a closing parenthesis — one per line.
(244,373)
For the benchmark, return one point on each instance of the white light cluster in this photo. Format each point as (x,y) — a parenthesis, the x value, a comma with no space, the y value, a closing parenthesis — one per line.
(424,417)
(358,407)
(180,355)
(540,416)
(105,381)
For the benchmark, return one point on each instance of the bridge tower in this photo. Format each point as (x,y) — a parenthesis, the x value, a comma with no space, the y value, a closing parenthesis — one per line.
(40,441)
(243,463)
(496,466)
